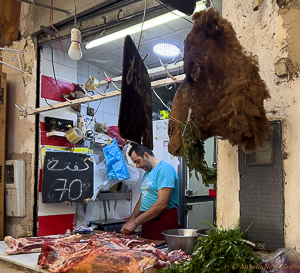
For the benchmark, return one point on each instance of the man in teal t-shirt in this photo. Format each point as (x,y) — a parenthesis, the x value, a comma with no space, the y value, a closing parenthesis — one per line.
(156,209)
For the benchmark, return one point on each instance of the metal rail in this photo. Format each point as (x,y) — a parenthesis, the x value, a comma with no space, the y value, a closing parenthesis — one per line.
(44,6)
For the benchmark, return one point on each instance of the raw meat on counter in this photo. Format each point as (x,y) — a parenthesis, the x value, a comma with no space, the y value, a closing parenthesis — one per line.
(34,244)
(107,252)
(164,258)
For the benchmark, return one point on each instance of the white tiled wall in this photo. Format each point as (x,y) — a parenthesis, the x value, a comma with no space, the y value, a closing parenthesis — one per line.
(108,110)
(65,69)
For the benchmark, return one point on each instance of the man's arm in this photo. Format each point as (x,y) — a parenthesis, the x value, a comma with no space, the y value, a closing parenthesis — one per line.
(156,209)
(126,228)
(136,212)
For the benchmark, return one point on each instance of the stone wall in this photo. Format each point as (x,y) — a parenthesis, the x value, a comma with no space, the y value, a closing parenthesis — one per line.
(272,34)
(20,138)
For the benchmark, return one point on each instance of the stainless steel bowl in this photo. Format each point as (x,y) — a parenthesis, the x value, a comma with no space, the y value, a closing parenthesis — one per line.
(202,232)
(184,239)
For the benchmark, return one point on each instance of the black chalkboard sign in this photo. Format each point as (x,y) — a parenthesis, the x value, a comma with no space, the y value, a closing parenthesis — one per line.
(184,6)
(135,117)
(67,177)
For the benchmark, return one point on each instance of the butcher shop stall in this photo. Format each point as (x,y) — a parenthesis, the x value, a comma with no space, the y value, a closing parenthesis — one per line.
(95,100)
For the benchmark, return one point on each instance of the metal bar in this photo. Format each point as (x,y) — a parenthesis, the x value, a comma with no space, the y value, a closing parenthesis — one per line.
(13,67)
(105,209)
(113,196)
(44,6)
(10,49)
(50,32)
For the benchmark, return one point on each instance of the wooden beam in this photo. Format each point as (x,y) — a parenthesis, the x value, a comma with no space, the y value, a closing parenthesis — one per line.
(3,93)
(111,94)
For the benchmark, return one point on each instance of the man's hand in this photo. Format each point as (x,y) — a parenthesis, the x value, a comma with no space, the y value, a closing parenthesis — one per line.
(129,227)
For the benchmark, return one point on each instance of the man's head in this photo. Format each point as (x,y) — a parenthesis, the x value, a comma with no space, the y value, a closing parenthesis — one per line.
(141,156)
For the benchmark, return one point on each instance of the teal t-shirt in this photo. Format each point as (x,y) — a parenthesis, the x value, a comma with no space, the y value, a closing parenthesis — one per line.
(163,175)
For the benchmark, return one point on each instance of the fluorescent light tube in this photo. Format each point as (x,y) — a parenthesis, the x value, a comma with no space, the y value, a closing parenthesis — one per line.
(159,20)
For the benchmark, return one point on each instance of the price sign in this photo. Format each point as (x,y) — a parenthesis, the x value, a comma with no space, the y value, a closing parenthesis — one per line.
(67,177)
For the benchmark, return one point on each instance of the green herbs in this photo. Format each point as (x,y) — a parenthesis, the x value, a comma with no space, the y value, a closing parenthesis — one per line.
(220,251)
(193,153)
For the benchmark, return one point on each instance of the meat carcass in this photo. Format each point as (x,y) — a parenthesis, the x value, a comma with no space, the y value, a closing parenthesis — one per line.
(177,256)
(163,258)
(222,87)
(100,254)
(106,252)
(34,244)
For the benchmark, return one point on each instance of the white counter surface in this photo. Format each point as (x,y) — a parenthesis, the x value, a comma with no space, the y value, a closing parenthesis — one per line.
(25,261)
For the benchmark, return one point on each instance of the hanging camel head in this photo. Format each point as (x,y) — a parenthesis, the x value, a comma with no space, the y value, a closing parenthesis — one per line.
(222,87)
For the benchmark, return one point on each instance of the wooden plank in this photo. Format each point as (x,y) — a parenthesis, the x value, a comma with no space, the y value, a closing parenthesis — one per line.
(111,94)
(3,93)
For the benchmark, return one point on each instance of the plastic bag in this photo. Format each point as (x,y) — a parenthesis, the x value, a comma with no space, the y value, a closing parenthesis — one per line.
(80,219)
(113,132)
(133,171)
(101,180)
(283,260)
(116,166)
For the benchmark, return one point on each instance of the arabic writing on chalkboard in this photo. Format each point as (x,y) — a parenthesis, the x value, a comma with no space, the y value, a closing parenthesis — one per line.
(67,177)
(51,166)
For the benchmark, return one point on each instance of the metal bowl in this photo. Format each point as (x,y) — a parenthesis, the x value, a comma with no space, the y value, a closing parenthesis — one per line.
(184,239)
(202,232)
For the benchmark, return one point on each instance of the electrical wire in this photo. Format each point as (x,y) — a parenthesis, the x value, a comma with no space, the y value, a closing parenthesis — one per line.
(173,12)
(74,14)
(97,107)
(142,24)
(213,4)
(53,64)
(161,100)
(45,18)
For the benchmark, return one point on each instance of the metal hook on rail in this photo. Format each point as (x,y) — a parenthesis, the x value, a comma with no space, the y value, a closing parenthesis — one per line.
(169,74)
(104,95)
(22,112)
(120,11)
(48,103)
(87,94)
(33,109)
(110,81)
(65,97)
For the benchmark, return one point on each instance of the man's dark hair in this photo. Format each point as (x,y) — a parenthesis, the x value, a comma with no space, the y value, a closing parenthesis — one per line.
(140,150)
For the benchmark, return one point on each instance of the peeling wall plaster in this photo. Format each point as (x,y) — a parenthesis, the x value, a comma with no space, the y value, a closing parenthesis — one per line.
(273,35)
(20,139)
(291,23)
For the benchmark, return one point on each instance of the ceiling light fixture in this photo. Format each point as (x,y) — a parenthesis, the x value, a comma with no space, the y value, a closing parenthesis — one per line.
(159,20)
(167,50)
(74,51)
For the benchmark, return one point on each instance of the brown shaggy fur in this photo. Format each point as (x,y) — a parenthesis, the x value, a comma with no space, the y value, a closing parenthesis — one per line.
(222,87)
